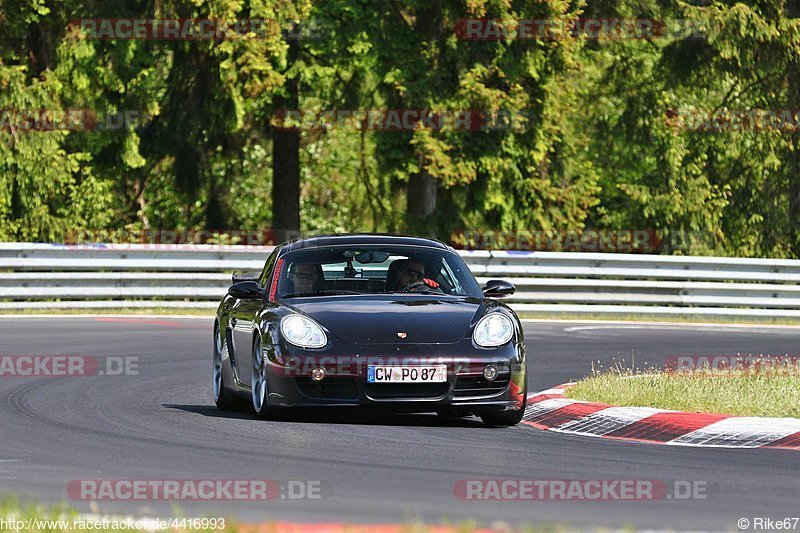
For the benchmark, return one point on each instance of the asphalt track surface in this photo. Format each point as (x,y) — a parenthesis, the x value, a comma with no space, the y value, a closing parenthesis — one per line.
(161,424)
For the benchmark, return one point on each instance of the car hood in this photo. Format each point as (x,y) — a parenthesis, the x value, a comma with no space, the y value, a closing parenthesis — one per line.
(379,319)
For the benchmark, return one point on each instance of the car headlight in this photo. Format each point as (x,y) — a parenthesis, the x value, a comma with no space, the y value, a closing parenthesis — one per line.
(495,329)
(303,332)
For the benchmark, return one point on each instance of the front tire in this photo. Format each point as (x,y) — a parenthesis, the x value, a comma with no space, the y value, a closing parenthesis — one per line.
(222,397)
(259,380)
(505,418)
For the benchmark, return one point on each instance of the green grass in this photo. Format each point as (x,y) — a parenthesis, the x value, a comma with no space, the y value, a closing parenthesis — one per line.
(765,391)
(36,518)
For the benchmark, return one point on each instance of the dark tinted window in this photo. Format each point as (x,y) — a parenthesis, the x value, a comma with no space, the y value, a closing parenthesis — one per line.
(374,270)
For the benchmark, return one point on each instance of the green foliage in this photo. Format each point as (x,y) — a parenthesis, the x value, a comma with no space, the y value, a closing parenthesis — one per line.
(729,190)
(590,139)
(43,187)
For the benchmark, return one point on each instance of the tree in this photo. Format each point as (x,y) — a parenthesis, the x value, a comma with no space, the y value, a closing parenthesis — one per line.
(529,174)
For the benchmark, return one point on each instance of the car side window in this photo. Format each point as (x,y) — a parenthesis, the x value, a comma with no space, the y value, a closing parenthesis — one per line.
(450,280)
(266,274)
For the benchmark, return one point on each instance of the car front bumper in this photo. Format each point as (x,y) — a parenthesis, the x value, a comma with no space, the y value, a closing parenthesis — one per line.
(345,385)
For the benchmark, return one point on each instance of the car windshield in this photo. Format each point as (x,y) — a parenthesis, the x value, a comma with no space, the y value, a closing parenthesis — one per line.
(375,270)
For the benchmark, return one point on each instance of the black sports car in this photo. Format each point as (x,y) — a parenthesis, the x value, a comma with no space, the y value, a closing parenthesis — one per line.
(390,322)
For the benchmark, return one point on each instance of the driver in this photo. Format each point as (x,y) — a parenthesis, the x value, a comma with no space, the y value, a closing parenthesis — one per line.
(413,272)
(304,277)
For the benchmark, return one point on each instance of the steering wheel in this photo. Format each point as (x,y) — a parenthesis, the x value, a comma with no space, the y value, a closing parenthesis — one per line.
(412,287)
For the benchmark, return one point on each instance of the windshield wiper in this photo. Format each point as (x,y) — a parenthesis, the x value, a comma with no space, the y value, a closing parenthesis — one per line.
(318,293)
(415,292)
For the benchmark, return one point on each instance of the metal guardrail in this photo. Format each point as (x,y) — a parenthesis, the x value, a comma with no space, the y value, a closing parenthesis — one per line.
(197,276)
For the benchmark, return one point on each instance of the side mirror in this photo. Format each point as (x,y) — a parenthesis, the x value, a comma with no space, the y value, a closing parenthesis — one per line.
(239,277)
(497,288)
(245,290)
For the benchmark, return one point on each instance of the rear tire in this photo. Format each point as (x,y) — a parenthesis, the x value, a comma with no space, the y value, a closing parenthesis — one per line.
(222,397)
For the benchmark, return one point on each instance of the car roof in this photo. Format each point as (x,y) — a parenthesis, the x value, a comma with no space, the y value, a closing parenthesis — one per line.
(360,239)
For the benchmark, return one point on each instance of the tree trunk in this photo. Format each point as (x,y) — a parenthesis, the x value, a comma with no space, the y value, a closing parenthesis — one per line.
(421,195)
(286,165)
(421,204)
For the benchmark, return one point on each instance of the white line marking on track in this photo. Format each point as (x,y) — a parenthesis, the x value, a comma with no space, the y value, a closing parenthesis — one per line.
(722,328)
(649,325)
(79,316)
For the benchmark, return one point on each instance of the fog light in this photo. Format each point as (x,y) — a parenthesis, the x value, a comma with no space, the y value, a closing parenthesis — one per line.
(490,372)
(318,374)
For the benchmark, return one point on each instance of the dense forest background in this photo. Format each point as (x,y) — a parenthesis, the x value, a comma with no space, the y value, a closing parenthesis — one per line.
(688,130)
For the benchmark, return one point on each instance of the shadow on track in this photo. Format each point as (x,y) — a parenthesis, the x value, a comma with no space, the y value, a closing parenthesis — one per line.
(340,416)
(209,410)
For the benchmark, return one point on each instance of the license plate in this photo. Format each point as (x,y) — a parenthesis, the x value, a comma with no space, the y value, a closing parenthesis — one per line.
(407,374)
